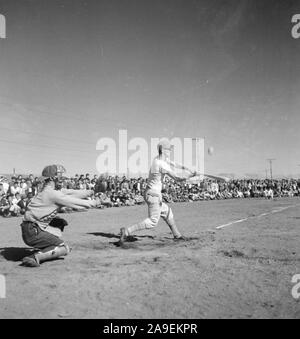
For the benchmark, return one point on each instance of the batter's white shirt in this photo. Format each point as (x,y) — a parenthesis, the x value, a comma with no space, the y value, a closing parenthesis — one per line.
(157,173)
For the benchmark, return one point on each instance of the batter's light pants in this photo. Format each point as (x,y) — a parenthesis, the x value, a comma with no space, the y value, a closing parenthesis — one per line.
(156,209)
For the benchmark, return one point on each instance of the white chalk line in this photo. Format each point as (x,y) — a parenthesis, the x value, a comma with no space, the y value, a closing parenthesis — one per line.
(280,209)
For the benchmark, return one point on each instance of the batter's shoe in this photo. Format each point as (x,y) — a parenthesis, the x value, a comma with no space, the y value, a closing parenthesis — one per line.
(123,236)
(30,262)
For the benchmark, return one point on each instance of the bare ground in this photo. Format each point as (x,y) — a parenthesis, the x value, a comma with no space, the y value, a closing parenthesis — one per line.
(241,271)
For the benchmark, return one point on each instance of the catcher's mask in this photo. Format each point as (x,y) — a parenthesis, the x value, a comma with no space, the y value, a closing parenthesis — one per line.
(54,173)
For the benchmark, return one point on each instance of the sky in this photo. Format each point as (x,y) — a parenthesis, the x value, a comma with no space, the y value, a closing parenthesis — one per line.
(74,71)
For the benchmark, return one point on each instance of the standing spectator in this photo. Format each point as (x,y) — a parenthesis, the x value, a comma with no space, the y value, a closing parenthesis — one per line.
(5,185)
(92,184)
(35,186)
(29,187)
(23,187)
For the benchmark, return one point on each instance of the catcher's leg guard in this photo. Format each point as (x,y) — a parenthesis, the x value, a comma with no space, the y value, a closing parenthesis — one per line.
(59,251)
(168,217)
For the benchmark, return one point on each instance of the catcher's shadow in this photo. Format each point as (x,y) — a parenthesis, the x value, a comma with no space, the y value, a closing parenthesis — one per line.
(15,253)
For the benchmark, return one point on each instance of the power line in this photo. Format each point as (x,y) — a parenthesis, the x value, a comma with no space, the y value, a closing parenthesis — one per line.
(57,148)
(72,117)
(48,136)
(65,155)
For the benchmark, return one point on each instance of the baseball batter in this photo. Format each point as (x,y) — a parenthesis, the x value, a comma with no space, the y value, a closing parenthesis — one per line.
(161,166)
(41,229)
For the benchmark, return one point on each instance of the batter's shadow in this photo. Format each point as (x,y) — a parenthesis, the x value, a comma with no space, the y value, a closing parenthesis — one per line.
(131,239)
(117,236)
(105,235)
(15,253)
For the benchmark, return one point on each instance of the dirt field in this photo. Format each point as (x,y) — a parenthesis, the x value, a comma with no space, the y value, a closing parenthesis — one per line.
(243,270)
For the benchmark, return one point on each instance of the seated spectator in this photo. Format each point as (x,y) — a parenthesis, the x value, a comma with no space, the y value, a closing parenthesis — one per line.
(12,205)
(4,207)
(21,202)
(139,200)
(2,193)
(105,199)
(15,189)
(115,199)
(129,201)
(238,194)
(247,193)
(268,193)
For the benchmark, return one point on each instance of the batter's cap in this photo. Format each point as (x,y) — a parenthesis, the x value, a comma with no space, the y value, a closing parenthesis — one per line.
(164,144)
(53,170)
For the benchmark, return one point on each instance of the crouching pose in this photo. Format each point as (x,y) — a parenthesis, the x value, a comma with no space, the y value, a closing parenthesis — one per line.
(41,228)
(161,166)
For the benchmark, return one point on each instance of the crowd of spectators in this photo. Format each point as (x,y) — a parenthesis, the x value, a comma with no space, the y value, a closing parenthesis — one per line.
(17,191)
(234,189)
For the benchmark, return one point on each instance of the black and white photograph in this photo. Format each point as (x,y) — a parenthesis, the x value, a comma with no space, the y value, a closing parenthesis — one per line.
(149,162)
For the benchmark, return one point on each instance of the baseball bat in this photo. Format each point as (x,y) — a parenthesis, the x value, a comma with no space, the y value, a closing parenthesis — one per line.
(214,177)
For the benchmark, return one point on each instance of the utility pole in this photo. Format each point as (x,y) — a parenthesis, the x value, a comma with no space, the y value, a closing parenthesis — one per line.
(198,166)
(197,153)
(271,167)
(266,174)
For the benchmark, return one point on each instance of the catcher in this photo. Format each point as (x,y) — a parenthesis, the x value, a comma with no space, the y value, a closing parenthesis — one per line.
(41,228)
(161,166)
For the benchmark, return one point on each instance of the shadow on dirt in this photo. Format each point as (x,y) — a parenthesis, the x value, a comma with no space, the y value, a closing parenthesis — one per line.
(112,235)
(233,254)
(15,253)
(157,243)
(105,235)
(135,242)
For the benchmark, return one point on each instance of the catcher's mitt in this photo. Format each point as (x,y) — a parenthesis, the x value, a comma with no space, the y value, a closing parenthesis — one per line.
(58,223)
